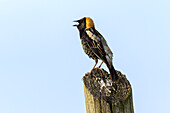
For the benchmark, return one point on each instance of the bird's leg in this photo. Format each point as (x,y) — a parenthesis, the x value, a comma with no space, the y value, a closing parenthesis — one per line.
(96,61)
(100,64)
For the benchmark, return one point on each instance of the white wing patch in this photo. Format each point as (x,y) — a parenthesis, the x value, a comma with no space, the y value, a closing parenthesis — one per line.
(107,50)
(92,36)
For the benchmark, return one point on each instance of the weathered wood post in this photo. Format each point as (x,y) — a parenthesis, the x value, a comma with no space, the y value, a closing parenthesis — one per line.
(102,95)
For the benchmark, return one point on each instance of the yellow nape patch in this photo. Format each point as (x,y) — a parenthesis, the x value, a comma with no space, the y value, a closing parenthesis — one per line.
(89,22)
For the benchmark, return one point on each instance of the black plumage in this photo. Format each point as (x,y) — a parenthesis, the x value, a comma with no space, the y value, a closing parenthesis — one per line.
(94,44)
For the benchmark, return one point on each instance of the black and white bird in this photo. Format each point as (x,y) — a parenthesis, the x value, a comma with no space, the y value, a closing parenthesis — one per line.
(94,44)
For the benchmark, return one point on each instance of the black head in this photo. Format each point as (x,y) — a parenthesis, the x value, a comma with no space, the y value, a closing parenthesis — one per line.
(81,24)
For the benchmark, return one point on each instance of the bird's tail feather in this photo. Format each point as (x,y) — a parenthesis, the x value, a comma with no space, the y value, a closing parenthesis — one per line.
(113,72)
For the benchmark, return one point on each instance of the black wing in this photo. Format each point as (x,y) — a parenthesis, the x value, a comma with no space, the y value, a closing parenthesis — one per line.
(94,42)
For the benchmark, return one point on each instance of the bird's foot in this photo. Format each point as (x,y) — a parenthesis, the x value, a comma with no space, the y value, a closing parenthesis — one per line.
(91,72)
(99,68)
(92,69)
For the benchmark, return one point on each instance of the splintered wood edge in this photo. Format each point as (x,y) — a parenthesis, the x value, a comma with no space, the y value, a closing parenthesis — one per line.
(116,93)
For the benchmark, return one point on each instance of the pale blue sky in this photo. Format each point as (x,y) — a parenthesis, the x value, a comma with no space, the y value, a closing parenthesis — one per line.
(42,61)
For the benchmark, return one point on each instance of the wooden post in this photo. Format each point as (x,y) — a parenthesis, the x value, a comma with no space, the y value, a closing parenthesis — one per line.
(102,95)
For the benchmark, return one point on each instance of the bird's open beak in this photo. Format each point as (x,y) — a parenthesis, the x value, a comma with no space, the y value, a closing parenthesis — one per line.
(77,23)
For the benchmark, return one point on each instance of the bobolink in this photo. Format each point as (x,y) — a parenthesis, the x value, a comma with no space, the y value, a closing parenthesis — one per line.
(94,44)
